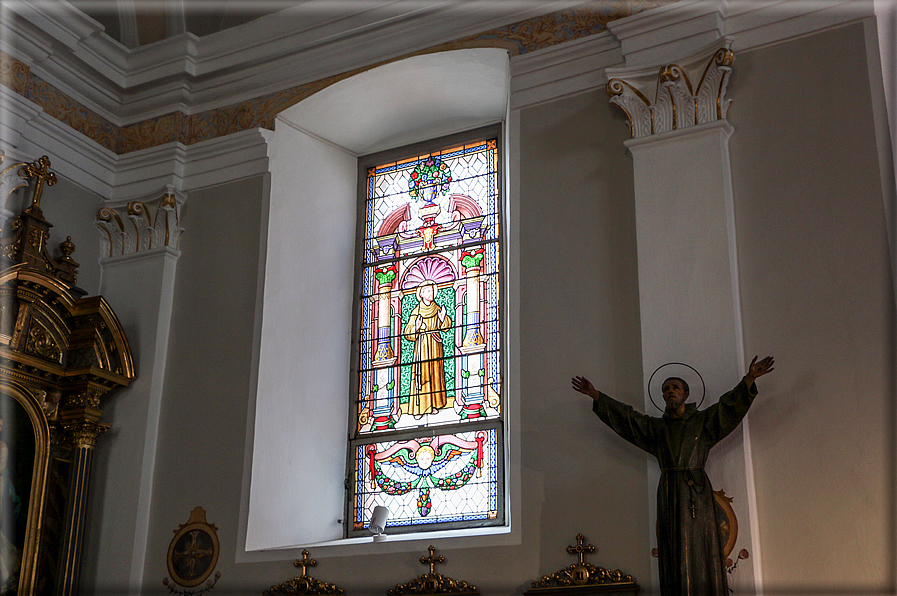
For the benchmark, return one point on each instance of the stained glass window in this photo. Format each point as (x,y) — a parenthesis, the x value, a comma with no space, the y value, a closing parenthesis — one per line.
(427,416)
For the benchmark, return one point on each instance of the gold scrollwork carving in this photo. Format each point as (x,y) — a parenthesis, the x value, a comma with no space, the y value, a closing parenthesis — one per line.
(41,343)
(582,573)
(36,239)
(433,582)
(304,584)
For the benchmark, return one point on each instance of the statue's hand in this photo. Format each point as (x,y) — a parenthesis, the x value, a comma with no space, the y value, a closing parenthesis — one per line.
(584,386)
(758,369)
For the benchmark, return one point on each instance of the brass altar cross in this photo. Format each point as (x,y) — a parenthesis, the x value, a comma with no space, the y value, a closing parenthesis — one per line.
(432,560)
(305,562)
(39,170)
(581,548)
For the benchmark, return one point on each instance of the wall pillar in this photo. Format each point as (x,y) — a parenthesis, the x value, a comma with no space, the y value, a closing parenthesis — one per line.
(139,242)
(687,261)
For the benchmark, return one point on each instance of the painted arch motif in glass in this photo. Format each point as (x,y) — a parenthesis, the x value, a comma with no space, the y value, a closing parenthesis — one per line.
(430,325)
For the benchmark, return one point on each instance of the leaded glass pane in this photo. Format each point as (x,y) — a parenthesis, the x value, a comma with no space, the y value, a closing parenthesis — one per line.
(428,480)
(430,341)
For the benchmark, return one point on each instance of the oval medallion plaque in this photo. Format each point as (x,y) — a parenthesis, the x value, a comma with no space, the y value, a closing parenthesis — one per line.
(193,552)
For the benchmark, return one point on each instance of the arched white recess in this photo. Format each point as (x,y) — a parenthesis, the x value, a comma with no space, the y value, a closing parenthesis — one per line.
(298,453)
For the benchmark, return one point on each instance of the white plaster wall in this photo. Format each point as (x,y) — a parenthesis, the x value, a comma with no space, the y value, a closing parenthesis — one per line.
(203,420)
(816,292)
(579,316)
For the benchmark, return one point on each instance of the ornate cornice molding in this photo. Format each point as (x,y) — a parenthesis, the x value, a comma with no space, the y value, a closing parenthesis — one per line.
(676,95)
(138,226)
(187,128)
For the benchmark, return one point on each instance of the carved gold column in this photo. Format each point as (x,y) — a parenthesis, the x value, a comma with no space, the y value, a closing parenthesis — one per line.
(83,435)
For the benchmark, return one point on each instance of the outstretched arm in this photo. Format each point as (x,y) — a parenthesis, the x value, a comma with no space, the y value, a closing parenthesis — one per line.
(724,416)
(626,422)
(584,386)
(758,369)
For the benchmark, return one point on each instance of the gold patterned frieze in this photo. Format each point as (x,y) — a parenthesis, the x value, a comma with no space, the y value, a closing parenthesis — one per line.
(138,226)
(676,95)
(88,397)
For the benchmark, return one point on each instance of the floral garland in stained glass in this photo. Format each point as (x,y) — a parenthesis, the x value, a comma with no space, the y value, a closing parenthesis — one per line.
(424,461)
(430,172)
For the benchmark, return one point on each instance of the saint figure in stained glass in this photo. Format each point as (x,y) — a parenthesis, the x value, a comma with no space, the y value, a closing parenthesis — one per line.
(424,329)
(430,340)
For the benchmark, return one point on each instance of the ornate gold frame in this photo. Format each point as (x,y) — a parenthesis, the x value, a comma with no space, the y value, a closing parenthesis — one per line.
(196,523)
(38,489)
(719,496)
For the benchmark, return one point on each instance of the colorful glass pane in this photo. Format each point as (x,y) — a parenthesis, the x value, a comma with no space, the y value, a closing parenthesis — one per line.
(441,198)
(430,341)
(430,327)
(428,480)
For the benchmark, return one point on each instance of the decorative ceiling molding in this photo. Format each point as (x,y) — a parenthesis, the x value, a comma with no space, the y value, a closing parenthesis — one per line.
(148,71)
(229,140)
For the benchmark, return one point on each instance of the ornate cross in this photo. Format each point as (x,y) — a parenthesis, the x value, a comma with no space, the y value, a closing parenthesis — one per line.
(432,560)
(39,170)
(305,562)
(192,553)
(581,548)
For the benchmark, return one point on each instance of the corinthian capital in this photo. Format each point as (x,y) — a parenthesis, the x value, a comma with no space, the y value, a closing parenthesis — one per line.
(674,95)
(84,433)
(137,226)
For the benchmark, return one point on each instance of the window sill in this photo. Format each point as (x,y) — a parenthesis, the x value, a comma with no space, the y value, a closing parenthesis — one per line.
(398,543)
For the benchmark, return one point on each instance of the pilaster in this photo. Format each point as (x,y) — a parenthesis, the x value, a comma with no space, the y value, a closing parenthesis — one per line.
(142,237)
(688,269)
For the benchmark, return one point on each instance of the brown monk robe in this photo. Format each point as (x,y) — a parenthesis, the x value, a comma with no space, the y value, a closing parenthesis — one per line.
(689,542)
(424,328)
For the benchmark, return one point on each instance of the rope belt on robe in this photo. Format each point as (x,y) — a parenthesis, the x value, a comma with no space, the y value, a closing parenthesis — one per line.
(692,485)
